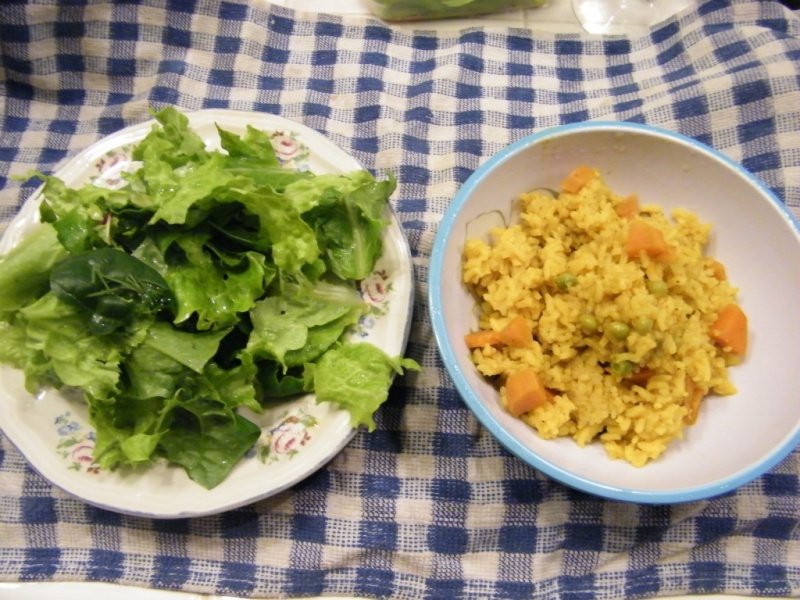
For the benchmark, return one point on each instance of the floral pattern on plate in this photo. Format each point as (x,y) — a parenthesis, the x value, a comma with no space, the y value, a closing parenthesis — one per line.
(291,435)
(75,445)
(291,151)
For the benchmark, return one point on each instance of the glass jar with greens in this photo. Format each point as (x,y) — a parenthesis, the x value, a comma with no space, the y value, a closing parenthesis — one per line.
(418,10)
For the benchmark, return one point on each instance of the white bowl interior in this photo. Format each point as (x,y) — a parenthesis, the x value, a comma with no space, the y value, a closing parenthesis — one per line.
(736,438)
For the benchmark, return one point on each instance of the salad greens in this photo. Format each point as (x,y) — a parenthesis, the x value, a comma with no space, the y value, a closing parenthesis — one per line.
(210,281)
(413,10)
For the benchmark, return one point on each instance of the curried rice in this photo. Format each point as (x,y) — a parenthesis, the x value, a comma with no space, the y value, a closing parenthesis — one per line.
(624,338)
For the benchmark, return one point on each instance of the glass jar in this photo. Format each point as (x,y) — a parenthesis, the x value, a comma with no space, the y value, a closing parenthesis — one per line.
(419,10)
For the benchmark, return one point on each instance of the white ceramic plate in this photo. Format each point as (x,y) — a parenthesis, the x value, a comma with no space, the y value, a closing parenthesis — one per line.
(52,429)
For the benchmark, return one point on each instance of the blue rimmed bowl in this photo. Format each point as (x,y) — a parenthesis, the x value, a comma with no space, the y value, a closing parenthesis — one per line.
(753,234)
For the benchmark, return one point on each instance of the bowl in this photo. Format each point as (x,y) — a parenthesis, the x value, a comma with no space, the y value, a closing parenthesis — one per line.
(753,234)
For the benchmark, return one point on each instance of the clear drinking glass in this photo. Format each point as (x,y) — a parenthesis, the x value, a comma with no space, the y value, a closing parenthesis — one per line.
(614,17)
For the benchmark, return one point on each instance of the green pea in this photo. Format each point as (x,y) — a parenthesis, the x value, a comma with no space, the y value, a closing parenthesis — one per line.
(643,325)
(565,281)
(622,368)
(657,288)
(618,330)
(588,322)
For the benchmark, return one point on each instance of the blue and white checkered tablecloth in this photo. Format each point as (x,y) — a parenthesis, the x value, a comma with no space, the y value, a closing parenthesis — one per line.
(428,505)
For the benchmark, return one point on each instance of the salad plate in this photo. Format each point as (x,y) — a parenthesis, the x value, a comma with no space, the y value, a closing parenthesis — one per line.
(299,436)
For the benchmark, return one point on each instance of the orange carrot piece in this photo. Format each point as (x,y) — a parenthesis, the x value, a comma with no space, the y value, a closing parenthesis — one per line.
(482,338)
(640,377)
(578,178)
(524,392)
(729,331)
(646,238)
(628,208)
(517,334)
(718,270)
(692,402)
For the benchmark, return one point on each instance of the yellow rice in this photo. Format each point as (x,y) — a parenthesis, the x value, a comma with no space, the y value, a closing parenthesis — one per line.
(582,234)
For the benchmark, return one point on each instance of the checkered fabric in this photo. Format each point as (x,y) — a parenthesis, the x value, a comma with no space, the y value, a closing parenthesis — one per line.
(428,505)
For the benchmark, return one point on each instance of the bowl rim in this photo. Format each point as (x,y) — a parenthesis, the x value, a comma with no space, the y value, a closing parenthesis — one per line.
(435,291)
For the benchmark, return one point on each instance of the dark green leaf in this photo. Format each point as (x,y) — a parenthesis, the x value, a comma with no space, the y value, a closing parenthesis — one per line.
(112,285)
(275,384)
(207,441)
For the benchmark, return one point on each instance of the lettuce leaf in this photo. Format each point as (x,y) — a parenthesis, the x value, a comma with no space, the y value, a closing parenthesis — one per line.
(253,156)
(60,350)
(213,288)
(205,440)
(356,376)
(174,394)
(299,325)
(25,272)
(293,243)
